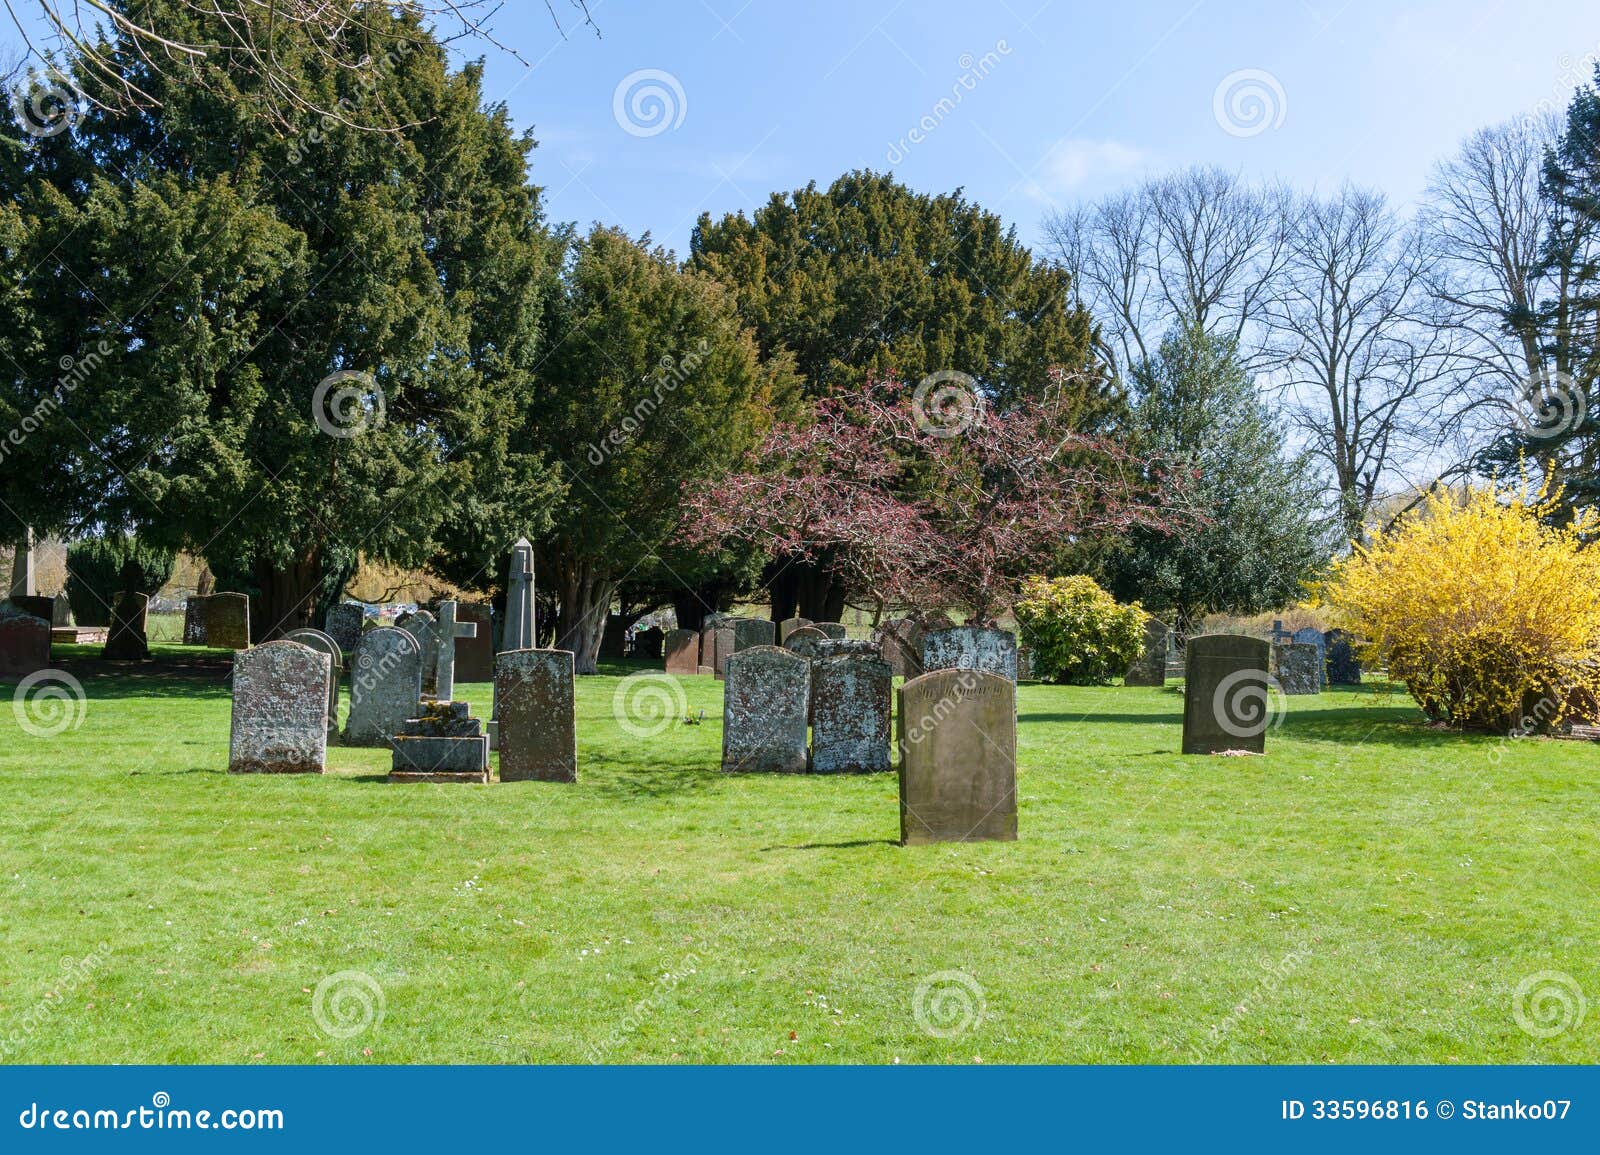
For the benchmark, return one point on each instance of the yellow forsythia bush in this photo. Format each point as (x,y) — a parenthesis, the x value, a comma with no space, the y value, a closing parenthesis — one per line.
(1490,616)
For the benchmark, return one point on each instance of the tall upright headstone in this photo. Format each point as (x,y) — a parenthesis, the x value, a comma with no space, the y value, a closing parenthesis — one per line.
(424,627)
(228,621)
(24,642)
(61,611)
(727,644)
(518,632)
(194,621)
(1298,667)
(683,652)
(385,686)
(127,640)
(538,726)
(448,630)
(851,705)
(1309,636)
(1150,667)
(958,757)
(1344,665)
(280,710)
(971,648)
(765,703)
(1227,701)
(344,625)
(324,644)
(475,654)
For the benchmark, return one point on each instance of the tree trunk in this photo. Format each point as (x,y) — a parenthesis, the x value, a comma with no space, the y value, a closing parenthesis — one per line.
(692,605)
(819,592)
(288,597)
(585,602)
(782,584)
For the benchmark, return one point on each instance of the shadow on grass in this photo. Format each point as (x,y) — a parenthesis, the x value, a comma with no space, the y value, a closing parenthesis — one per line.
(859,842)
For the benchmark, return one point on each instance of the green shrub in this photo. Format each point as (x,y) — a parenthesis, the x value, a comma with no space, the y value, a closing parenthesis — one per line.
(1077,632)
(99,568)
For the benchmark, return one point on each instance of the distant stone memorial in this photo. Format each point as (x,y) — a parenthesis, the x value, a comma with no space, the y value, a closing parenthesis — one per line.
(61,611)
(851,705)
(765,705)
(1298,667)
(127,640)
(789,626)
(900,642)
(1344,666)
(958,757)
(424,627)
(385,686)
(806,641)
(683,653)
(475,654)
(971,648)
(1313,637)
(1226,695)
(538,726)
(834,630)
(324,644)
(24,642)
(647,643)
(443,743)
(344,625)
(280,710)
(40,607)
(1150,667)
(519,630)
(751,632)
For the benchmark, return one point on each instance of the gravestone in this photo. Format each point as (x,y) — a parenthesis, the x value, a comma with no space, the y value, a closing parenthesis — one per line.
(647,644)
(851,703)
(751,632)
(61,611)
(424,627)
(344,625)
(854,647)
(727,643)
(127,640)
(789,626)
(765,703)
(1024,663)
(1344,666)
(970,648)
(447,632)
(24,642)
(683,652)
(324,644)
(834,630)
(280,710)
(708,647)
(385,686)
(613,637)
(519,627)
(1313,637)
(194,622)
(443,743)
(1226,695)
(1150,667)
(538,727)
(227,621)
(900,643)
(23,573)
(1297,666)
(475,654)
(806,641)
(958,757)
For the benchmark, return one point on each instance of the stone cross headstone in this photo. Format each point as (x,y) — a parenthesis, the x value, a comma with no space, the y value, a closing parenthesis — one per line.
(127,640)
(447,631)
(1150,667)
(538,727)
(518,632)
(324,644)
(851,706)
(24,642)
(765,704)
(1297,666)
(475,654)
(344,625)
(1227,701)
(900,642)
(424,627)
(228,621)
(789,626)
(280,710)
(1344,666)
(1313,637)
(971,648)
(61,611)
(683,652)
(385,686)
(958,757)
(834,630)
(751,632)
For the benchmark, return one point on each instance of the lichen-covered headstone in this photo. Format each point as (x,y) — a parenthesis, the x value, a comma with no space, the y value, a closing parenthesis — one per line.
(900,642)
(424,627)
(194,621)
(1150,667)
(1227,702)
(324,644)
(1313,637)
(538,721)
(851,705)
(280,710)
(806,641)
(971,648)
(344,625)
(958,757)
(24,642)
(1298,667)
(1344,666)
(385,686)
(683,652)
(751,632)
(765,703)
(127,641)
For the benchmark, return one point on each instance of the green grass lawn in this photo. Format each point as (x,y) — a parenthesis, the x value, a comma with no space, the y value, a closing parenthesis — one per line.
(1370,891)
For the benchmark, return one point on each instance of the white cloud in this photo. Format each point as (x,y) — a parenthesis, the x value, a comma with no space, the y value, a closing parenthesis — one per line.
(1074,165)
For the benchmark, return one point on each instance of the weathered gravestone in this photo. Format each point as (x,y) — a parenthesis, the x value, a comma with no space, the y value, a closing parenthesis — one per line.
(1226,694)
(385,686)
(683,652)
(854,647)
(613,637)
(324,644)
(806,641)
(127,640)
(228,621)
(708,647)
(958,757)
(764,710)
(61,611)
(475,653)
(280,710)
(1297,666)
(851,704)
(519,627)
(647,644)
(751,632)
(1344,666)
(834,630)
(727,641)
(1150,667)
(900,642)
(443,743)
(789,626)
(424,627)
(24,642)
(194,622)
(538,728)
(344,625)
(971,648)
(1313,637)
(447,632)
